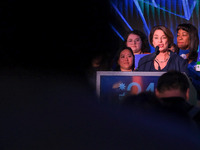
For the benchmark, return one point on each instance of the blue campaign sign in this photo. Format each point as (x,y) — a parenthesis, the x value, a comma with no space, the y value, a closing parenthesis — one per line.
(115,85)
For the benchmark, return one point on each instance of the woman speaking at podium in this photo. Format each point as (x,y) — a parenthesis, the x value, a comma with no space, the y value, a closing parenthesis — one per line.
(162,59)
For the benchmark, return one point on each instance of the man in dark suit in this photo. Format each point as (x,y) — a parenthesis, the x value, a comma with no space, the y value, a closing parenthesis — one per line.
(173,91)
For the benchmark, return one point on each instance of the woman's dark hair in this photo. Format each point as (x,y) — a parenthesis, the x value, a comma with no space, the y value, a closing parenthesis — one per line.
(116,58)
(145,45)
(194,39)
(167,32)
(175,47)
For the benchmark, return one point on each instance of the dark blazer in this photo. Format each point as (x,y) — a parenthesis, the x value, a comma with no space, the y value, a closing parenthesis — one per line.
(174,63)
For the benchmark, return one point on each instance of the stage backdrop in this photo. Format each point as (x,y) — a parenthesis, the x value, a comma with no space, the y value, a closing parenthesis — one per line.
(144,14)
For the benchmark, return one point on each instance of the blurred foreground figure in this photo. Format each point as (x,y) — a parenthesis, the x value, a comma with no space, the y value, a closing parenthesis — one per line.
(173,91)
(58,112)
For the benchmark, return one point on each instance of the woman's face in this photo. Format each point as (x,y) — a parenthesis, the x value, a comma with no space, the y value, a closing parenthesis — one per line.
(126,60)
(135,43)
(183,39)
(160,39)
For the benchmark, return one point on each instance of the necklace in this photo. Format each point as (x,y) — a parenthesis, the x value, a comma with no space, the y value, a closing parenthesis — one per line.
(162,61)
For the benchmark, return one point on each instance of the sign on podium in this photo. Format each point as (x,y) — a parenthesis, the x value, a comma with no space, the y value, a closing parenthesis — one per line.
(115,85)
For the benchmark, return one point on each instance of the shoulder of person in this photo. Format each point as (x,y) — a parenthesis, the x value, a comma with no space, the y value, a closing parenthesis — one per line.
(194,111)
(177,57)
(148,57)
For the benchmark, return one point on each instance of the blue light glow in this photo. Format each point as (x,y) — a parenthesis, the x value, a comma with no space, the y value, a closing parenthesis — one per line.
(167,12)
(113,28)
(122,17)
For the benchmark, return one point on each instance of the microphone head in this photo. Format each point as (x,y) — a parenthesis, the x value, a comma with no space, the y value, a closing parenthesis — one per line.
(157,50)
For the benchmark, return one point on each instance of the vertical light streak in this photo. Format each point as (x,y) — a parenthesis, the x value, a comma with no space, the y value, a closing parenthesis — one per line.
(121,16)
(142,16)
(113,28)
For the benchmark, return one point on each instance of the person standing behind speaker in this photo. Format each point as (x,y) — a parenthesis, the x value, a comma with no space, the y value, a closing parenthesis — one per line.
(124,59)
(138,42)
(188,42)
(163,59)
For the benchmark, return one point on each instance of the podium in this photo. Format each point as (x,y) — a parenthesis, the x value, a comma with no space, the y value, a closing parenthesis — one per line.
(115,85)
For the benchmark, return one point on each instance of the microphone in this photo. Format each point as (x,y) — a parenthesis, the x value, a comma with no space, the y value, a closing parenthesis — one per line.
(156,53)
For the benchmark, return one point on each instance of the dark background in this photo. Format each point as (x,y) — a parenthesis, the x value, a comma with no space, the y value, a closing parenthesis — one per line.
(43,35)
